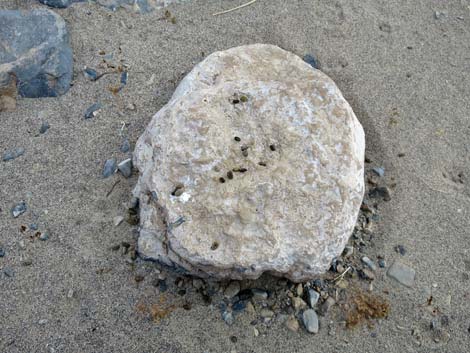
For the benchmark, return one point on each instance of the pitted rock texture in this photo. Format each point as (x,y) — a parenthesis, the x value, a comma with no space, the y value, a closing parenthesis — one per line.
(254,165)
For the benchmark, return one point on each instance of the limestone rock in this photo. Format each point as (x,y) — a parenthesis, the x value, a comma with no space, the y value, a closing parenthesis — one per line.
(35,53)
(254,165)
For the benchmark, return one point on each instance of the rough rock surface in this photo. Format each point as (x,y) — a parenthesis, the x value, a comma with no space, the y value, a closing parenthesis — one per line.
(254,165)
(34,52)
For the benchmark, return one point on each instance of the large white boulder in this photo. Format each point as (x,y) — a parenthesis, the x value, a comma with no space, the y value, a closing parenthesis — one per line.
(254,165)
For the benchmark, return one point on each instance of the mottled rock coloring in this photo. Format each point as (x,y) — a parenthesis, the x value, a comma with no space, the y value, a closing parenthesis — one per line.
(257,166)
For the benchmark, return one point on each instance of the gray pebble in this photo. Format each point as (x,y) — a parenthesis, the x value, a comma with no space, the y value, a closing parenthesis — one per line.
(369,263)
(90,73)
(18,209)
(2,252)
(44,127)
(12,154)
(125,147)
(313,297)
(382,263)
(310,320)
(232,289)
(92,110)
(109,167)
(380,171)
(44,236)
(125,167)
(227,316)
(259,294)
(381,192)
(8,272)
(402,273)
(33,226)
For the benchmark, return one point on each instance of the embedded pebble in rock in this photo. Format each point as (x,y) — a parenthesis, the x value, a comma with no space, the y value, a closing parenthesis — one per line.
(369,263)
(232,290)
(109,167)
(266,313)
(292,323)
(125,167)
(265,127)
(259,294)
(18,209)
(44,127)
(15,153)
(402,273)
(313,297)
(310,320)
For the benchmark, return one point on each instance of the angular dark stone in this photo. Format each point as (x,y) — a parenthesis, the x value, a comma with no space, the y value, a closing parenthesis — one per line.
(92,110)
(41,58)
(109,167)
(310,59)
(60,4)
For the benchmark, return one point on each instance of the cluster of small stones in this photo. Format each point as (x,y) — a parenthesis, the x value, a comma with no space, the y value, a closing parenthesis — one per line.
(307,306)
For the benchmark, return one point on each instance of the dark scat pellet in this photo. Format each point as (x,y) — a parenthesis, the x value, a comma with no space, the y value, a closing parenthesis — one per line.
(178,190)
(230,174)
(214,245)
(236,138)
(235,101)
(222,180)
(233,339)
(187,306)
(245,153)
(263,164)
(272,147)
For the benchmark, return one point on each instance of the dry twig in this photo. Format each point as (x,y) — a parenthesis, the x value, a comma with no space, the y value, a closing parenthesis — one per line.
(234,9)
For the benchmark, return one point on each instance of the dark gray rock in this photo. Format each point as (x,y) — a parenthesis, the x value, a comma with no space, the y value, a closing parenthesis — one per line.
(2,252)
(12,154)
(310,59)
(40,59)
(60,4)
(126,146)
(313,297)
(8,272)
(109,167)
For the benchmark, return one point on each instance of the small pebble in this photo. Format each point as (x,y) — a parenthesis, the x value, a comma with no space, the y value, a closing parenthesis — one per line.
(313,297)
(33,226)
(18,209)
(109,167)
(366,274)
(90,73)
(266,313)
(402,273)
(381,191)
(2,252)
(259,294)
(44,236)
(239,305)
(70,294)
(124,76)
(8,272)
(92,110)
(227,316)
(256,332)
(400,249)
(292,323)
(44,127)
(232,289)
(299,290)
(369,263)
(250,308)
(125,167)
(125,147)
(10,155)
(42,322)
(310,320)
(118,220)
(310,59)
(382,263)
(326,306)
(348,251)
(380,171)
(298,303)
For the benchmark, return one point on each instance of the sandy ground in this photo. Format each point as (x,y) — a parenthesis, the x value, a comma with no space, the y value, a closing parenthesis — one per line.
(404,72)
